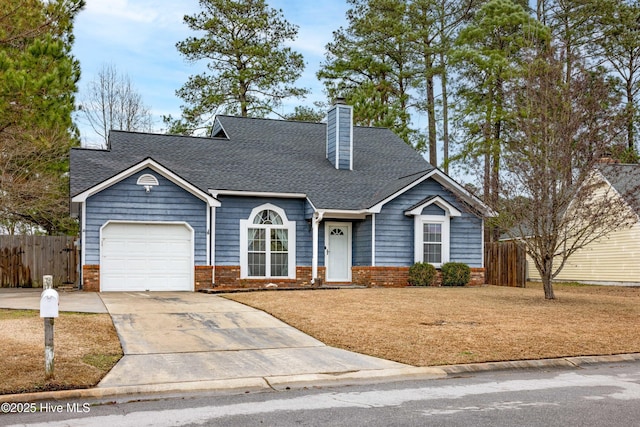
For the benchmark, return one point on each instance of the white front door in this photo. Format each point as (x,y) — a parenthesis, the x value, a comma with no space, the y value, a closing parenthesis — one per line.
(338,251)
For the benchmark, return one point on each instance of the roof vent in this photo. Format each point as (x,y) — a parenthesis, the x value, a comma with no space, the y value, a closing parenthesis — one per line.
(148,181)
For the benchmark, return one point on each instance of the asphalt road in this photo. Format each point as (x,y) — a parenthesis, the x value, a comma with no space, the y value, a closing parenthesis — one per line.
(598,395)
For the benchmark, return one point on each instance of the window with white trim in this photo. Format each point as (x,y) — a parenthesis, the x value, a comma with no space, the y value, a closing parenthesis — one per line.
(431,239)
(431,232)
(432,242)
(267,244)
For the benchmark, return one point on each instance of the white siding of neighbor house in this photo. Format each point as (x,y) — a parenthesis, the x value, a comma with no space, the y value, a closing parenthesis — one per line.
(612,259)
(615,258)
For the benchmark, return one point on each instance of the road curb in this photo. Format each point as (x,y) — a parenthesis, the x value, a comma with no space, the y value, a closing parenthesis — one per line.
(563,362)
(356,377)
(315,380)
(237,384)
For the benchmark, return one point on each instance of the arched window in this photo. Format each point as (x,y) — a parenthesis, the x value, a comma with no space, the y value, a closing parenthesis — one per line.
(267,244)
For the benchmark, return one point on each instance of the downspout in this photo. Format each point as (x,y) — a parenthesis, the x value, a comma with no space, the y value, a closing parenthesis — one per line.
(373,239)
(83,239)
(315,225)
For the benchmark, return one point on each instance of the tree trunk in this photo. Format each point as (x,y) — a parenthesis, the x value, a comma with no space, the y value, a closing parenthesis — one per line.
(547,280)
(445,116)
(431,108)
(631,116)
(486,179)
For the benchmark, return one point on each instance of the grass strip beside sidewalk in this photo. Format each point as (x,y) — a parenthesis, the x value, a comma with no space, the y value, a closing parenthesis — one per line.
(440,326)
(86,348)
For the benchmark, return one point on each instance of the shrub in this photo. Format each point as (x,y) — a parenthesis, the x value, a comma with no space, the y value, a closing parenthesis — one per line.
(422,274)
(455,274)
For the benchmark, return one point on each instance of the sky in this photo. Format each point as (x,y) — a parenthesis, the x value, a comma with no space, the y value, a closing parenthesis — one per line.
(139,38)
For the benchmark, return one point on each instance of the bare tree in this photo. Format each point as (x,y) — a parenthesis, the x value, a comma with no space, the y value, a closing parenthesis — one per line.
(553,196)
(33,182)
(112,102)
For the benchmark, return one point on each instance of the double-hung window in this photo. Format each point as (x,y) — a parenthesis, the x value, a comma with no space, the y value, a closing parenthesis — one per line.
(432,239)
(432,230)
(432,242)
(267,244)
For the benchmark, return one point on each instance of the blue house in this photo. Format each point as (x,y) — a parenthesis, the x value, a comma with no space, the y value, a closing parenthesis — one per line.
(266,201)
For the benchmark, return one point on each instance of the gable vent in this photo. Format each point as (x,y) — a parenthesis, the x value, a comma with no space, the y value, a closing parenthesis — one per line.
(148,180)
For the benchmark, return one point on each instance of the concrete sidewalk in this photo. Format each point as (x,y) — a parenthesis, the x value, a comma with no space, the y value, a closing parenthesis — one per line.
(29,299)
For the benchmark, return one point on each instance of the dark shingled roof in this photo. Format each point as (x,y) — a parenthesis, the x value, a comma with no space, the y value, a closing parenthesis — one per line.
(263,155)
(625,179)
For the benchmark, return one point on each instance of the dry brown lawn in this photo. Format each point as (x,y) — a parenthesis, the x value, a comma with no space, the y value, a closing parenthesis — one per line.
(417,326)
(86,348)
(438,326)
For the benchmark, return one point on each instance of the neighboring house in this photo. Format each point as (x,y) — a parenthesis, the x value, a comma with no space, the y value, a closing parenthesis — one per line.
(267,201)
(614,259)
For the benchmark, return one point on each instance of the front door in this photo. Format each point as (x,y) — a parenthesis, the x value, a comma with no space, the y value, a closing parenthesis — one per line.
(338,251)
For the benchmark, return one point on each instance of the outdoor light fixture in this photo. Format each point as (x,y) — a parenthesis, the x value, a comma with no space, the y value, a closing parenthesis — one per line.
(148,181)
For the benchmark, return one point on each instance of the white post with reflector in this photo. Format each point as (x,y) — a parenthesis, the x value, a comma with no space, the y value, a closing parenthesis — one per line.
(49,303)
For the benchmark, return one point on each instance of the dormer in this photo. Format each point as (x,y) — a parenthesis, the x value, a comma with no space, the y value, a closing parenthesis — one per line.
(217,131)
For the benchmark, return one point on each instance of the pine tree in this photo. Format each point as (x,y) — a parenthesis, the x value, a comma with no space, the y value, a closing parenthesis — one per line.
(490,55)
(620,48)
(250,70)
(370,64)
(38,78)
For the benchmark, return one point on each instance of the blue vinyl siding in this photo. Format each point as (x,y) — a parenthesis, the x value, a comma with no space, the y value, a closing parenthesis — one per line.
(395,234)
(233,209)
(344,138)
(362,242)
(308,215)
(331,136)
(433,210)
(466,240)
(339,136)
(308,210)
(320,244)
(127,201)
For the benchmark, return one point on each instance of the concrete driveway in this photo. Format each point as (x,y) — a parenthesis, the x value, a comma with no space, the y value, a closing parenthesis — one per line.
(182,341)
(178,337)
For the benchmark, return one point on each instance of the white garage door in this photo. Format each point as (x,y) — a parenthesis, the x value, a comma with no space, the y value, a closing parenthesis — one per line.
(146,257)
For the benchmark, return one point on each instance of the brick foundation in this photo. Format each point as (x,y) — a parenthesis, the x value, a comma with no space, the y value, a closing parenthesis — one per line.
(391,277)
(229,277)
(478,277)
(91,278)
(396,277)
(203,277)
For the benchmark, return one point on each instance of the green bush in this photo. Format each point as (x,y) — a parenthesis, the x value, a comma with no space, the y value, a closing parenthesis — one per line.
(422,274)
(455,274)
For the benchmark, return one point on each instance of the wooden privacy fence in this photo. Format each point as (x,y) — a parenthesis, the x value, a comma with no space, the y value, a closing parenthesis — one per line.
(25,259)
(506,264)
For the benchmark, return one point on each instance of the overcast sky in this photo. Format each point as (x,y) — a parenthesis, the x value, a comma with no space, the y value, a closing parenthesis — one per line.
(139,38)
